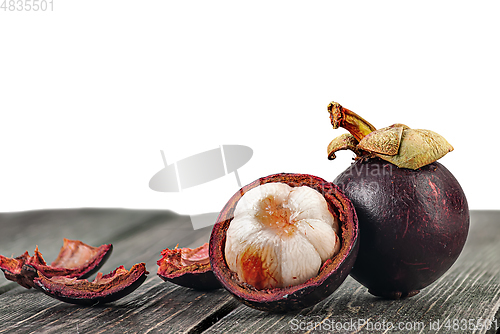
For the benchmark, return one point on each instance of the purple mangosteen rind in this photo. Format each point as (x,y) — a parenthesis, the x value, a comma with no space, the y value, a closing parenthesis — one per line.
(12,269)
(331,275)
(27,267)
(178,266)
(66,293)
(202,280)
(91,267)
(413,224)
(97,264)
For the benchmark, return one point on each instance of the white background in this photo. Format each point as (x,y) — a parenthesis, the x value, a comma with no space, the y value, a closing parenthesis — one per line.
(93,90)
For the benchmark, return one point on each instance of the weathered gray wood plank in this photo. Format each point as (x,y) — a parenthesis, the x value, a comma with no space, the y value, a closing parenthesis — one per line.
(469,290)
(21,231)
(156,306)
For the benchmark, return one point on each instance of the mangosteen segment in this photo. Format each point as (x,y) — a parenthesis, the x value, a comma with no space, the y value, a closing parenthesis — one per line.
(280,235)
(188,267)
(331,273)
(103,289)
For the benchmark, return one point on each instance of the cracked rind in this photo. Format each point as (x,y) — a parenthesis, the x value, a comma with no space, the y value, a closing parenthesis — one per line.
(12,269)
(23,269)
(192,275)
(104,289)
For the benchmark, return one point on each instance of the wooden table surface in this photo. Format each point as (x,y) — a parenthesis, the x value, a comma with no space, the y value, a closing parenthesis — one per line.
(468,295)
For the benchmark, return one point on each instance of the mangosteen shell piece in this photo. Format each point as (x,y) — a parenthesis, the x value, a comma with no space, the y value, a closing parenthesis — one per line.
(413,224)
(195,274)
(104,289)
(12,269)
(332,273)
(75,260)
(88,265)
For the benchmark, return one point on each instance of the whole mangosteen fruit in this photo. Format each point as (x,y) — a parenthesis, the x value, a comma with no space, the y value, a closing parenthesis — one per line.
(284,242)
(413,214)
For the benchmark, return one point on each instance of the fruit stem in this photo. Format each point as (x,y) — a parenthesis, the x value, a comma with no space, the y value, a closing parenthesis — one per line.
(349,120)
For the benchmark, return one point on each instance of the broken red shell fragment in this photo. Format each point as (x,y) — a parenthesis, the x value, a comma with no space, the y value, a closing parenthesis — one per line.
(12,269)
(188,267)
(75,260)
(103,289)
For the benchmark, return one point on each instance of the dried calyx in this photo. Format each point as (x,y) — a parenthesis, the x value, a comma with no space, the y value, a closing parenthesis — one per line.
(398,144)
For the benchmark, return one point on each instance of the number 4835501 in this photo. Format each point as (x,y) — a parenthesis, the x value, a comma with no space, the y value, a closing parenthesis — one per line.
(27,5)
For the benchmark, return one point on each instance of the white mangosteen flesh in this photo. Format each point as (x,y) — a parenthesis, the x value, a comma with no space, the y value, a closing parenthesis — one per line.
(280,236)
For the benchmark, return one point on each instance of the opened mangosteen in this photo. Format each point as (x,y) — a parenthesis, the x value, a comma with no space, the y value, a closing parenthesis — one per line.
(75,260)
(103,289)
(284,242)
(413,214)
(188,267)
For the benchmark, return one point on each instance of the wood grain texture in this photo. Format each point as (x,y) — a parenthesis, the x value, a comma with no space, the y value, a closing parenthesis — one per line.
(469,290)
(155,307)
